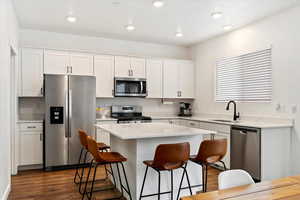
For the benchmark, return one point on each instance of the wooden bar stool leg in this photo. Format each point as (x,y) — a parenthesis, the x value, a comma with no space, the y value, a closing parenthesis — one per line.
(158,196)
(82,173)
(171,184)
(206,172)
(188,180)
(77,167)
(180,185)
(144,180)
(87,180)
(127,185)
(112,173)
(120,179)
(93,182)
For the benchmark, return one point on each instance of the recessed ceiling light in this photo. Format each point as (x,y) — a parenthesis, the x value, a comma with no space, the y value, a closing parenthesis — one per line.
(158,3)
(178,34)
(130,27)
(216,15)
(227,27)
(71,19)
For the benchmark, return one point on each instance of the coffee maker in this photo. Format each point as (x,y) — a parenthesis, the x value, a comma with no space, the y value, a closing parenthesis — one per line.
(185,109)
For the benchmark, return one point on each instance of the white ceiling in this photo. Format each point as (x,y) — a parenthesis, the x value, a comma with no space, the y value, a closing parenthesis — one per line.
(107,18)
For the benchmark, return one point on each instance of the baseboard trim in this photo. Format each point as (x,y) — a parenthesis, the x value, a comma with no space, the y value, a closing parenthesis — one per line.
(6,193)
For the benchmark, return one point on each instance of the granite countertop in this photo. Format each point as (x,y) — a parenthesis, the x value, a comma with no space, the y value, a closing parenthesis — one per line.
(150,130)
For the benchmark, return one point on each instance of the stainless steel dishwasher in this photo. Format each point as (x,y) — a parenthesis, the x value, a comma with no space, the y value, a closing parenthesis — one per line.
(245,150)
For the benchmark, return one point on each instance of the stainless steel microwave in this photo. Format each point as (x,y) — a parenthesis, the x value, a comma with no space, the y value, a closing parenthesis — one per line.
(130,87)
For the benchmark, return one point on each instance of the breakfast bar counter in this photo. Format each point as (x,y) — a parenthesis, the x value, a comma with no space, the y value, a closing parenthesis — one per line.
(138,141)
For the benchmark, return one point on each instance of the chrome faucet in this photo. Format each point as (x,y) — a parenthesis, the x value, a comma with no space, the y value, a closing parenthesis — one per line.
(235,115)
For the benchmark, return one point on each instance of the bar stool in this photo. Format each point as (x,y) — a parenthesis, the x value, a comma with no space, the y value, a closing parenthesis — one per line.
(104,158)
(210,152)
(84,150)
(168,157)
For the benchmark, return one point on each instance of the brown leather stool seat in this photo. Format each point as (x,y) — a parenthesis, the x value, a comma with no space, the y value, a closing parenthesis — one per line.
(110,157)
(168,157)
(103,158)
(210,152)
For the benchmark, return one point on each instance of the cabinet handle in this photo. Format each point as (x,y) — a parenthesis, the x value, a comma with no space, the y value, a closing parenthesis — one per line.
(178,94)
(129,72)
(113,92)
(71,70)
(42,91)
(67,69)
(192,124)
(31,126)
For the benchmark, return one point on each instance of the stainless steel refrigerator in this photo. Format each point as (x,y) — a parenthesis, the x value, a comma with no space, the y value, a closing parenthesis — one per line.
(70,103)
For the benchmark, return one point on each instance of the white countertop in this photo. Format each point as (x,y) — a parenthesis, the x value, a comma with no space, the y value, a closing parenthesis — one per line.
(150,130)
(255,122)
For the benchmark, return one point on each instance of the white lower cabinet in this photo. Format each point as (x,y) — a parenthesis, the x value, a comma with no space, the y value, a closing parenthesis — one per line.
(31,144)
(223,132)
(104,136)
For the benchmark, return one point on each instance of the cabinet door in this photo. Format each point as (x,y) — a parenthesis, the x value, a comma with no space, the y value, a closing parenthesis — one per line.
(186,80)
(32,72)
(138,67)
(154,78)
(31,148)
(104,72)
(56,62)
(171,79)
(81,64)
(122,66)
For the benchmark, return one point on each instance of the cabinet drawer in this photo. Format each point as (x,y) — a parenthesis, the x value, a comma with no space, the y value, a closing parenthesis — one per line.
(215,127)
(192,124)
(31,127)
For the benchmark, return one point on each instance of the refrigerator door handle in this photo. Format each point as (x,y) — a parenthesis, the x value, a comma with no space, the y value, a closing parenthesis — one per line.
(66,114)
(70,114)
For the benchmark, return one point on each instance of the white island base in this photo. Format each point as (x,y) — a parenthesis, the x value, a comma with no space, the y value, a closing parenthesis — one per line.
(142,147)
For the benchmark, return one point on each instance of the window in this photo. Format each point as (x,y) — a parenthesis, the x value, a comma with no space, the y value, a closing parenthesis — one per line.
(246,77)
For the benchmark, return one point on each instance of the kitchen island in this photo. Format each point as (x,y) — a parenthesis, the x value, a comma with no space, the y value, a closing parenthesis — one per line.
(138,141)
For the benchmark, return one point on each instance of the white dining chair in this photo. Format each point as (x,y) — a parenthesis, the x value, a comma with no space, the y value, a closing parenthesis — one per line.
(234,178)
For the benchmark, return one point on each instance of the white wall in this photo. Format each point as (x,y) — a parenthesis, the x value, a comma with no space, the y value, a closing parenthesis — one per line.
(44,39)
(282,31)
(8,39)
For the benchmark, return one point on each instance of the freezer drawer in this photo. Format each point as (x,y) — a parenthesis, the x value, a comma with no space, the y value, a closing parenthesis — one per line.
(245,150)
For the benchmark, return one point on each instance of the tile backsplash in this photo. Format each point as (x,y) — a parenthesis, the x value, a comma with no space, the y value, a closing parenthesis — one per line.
(34,107)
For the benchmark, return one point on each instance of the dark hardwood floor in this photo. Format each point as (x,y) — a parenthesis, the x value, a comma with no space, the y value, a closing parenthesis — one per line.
(58,185)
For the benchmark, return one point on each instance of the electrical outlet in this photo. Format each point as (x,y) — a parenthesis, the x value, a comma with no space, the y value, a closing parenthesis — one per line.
(294,108)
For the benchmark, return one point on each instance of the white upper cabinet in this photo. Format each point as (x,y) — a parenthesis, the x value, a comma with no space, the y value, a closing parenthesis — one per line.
(31,72)
(122,66)
(154,70)
(138,67)
(178,81)
(186,79)
(62,62)
(104,72)
(130,67)
(56,62)
(171,79)
(81,64)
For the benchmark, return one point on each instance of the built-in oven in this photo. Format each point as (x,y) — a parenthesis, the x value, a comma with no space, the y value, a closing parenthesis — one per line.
(130,87)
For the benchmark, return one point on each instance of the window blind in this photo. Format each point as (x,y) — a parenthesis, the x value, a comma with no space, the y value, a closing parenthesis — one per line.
(246,77)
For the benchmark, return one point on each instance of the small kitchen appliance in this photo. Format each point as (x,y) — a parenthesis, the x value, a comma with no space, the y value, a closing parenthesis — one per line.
(185,109)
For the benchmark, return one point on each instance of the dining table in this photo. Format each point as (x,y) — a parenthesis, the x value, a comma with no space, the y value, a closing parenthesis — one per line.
(287,188)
